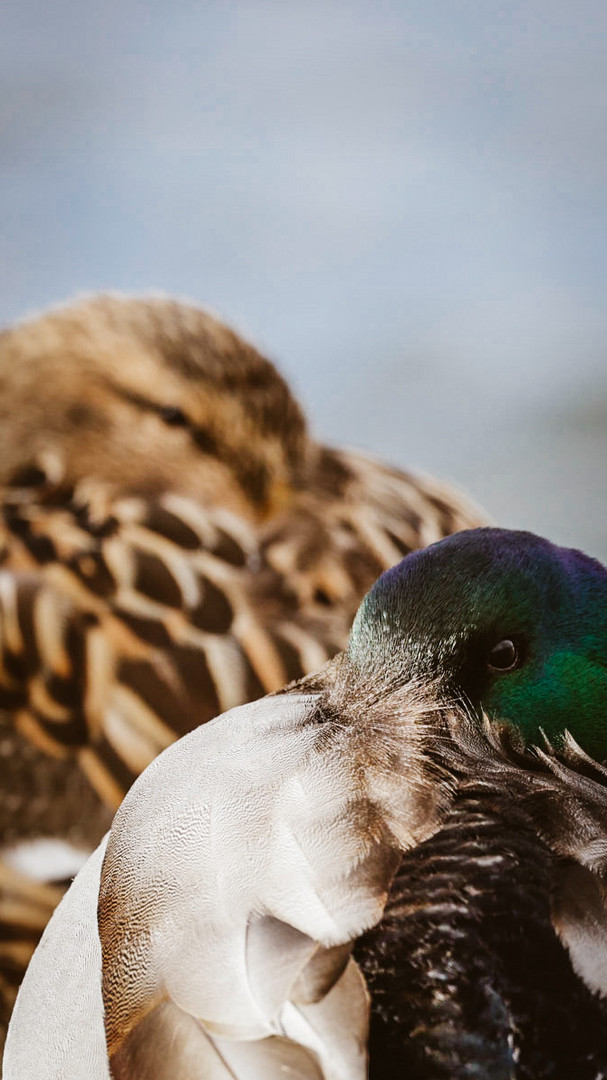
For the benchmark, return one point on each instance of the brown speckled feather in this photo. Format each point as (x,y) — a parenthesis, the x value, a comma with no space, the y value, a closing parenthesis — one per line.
(127,621)
(172,544)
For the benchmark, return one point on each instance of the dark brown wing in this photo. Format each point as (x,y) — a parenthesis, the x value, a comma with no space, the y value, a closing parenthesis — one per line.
(359,518)
(126,622)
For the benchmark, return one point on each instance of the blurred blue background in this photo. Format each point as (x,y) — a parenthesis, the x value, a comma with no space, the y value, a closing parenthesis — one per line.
(403,203)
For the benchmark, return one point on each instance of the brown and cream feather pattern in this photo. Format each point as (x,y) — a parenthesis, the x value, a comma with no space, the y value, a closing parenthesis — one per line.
(172,544)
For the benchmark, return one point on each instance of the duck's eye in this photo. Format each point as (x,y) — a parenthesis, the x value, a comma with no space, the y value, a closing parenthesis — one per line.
(173,415)
(204,440)
(504,656)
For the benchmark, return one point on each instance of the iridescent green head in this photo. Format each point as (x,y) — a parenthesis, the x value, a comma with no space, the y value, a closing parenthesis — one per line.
(510,621)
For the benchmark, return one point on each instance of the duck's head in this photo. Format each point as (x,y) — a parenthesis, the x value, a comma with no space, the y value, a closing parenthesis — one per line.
(144,393)
(507,621)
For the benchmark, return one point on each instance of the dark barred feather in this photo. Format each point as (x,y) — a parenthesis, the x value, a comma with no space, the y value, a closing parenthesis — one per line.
(467,976)
(490,960)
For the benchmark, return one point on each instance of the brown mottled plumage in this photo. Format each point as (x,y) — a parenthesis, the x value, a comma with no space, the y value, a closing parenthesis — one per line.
(172,543)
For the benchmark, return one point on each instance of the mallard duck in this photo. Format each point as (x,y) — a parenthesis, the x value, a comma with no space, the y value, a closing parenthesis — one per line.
(173,544)
(250,857)
(514,626)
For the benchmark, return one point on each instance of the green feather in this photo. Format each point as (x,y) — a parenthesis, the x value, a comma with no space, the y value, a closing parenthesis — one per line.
(438,614)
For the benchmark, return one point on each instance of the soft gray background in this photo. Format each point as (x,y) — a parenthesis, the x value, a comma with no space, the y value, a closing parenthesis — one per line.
(402,202)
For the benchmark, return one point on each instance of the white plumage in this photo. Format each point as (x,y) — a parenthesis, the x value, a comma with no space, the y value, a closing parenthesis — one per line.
(57,1026)
(239,869)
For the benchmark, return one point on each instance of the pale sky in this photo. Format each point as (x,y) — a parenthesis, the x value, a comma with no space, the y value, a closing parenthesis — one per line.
(403,203)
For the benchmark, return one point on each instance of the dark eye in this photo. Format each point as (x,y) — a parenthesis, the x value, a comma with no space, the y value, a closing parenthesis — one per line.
(173,415)
(504,656)
(204,440)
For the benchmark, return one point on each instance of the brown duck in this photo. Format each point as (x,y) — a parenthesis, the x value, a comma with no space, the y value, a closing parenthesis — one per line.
(173,544)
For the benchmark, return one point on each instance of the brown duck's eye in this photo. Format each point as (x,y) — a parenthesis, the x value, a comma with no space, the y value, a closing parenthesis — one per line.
(204,440)
(504,656)
(173,415)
